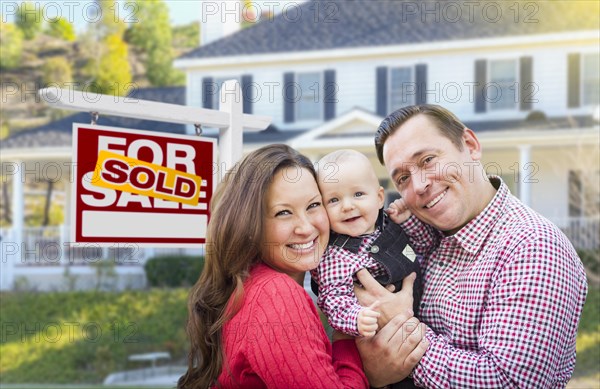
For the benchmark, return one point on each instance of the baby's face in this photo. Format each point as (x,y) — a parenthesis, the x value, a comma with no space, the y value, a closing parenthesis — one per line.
(352,197)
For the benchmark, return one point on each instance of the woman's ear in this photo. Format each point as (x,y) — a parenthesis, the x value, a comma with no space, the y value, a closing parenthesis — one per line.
(472,144)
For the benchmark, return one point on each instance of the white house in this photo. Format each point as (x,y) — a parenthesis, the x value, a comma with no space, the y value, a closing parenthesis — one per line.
(523,75)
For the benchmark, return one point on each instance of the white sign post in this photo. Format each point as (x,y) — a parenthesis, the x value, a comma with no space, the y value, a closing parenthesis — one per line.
(229,119)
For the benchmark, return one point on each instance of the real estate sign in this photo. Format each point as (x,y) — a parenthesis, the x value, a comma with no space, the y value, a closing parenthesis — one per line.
(142,187)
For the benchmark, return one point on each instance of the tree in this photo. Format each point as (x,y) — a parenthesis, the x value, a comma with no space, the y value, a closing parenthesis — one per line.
(160,72)
(106,23)
(11,46)
(62,29)
(186,36)
(29,19)
(153,35)
(248,15)
(110,22)
(113,74)
(57,70)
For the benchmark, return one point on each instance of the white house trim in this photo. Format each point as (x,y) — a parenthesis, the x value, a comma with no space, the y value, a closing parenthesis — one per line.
(502,139)
(489,44)
(355,114)
(36,153)
(546,137)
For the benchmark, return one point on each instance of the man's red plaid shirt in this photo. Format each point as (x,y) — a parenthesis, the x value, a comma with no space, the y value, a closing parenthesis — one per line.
(502,298)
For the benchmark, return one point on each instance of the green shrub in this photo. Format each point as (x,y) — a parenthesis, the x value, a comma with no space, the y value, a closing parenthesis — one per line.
(590,259)
(173,270)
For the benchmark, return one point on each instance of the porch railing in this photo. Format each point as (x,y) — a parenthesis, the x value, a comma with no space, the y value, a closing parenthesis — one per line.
(583,232)
(48,246)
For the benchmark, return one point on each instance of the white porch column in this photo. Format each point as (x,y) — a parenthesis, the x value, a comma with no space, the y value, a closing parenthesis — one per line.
(524,184)
(11,247)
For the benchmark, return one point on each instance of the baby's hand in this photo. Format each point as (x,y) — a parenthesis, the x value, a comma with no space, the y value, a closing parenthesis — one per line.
(398,212)
(367,320)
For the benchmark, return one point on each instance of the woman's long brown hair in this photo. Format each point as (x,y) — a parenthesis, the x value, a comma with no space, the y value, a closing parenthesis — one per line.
(233,242)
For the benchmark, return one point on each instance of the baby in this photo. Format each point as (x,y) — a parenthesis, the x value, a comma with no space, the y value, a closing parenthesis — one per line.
(361,237)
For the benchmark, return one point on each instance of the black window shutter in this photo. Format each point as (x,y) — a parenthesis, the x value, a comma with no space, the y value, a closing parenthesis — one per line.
(421,80)
(208,92)
(526,83)
(288,97)
(381,92)
(480,81)
(329,94)
(574,80)
(247,93)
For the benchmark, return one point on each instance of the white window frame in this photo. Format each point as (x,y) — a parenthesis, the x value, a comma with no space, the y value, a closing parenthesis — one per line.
(391,105)
(585,82)
(492,105)
(218,84)
(309,96)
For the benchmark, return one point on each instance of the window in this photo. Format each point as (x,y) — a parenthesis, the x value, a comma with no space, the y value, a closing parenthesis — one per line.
(309,96)
(218,84)
(399,86)
(402,88)
(591,79)
(503,84)
(309,99)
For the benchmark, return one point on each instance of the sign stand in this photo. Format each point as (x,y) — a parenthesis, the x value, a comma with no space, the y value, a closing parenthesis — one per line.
(229,119)
(121,188)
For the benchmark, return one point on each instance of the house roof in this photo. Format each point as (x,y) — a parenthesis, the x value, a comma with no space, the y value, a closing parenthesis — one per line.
(267,136)
(59,133)
(339,24)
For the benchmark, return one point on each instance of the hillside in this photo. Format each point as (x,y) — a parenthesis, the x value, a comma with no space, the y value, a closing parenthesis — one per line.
(22,107)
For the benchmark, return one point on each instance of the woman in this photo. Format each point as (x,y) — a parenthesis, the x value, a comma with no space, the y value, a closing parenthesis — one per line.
(251,324)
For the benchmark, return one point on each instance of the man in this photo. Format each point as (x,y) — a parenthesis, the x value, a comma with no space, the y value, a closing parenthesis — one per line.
(503,287)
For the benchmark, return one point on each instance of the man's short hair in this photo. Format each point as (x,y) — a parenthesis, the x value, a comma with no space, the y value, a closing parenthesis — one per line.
(447,123)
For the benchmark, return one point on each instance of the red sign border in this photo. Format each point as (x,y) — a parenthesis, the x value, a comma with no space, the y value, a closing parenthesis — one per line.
(145,242)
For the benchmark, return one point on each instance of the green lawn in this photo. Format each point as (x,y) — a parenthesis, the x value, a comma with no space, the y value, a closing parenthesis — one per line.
(79,338)
(588,339)
(146,321)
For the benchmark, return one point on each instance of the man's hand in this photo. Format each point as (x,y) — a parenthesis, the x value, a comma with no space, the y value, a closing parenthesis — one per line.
(394,351)
(390,304)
